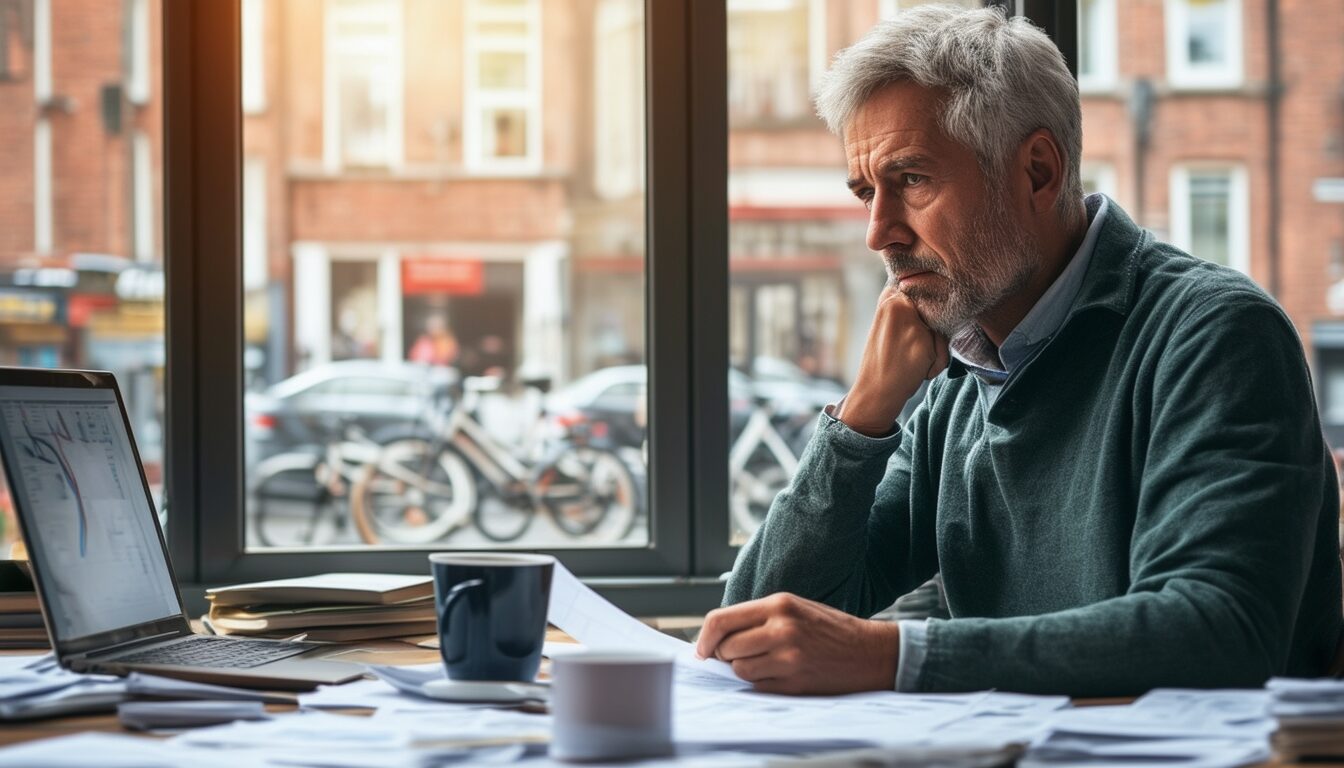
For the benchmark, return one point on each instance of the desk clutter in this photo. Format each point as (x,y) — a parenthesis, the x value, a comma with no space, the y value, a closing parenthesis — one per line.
(331,607)
(1310,718)
(413,716)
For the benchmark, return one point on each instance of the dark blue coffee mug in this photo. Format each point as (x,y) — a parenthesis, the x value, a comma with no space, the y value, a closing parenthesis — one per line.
(492,613)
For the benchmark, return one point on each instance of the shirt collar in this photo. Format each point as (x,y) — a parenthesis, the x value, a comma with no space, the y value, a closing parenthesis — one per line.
(975,350)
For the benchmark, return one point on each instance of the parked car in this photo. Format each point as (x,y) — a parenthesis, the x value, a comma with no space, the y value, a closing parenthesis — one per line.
(312,408)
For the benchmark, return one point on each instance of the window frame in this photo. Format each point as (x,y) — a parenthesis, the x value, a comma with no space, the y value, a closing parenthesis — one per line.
(1238,210)
(686,308)
(1181,73)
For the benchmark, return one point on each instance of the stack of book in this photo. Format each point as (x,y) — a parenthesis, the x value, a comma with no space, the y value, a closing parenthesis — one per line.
(20,614)
(332,607)
(1310,715)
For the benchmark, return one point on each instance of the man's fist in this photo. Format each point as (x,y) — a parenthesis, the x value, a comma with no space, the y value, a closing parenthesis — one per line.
(901,352)
(786,644)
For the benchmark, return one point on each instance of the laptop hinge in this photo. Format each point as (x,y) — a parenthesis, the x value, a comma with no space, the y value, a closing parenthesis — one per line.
(125,645)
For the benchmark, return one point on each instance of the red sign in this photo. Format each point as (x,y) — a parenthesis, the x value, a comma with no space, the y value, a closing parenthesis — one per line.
(452,277)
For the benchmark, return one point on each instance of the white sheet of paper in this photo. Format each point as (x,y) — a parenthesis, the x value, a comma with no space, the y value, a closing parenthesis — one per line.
(1177,713)
(593,621)
(110,750)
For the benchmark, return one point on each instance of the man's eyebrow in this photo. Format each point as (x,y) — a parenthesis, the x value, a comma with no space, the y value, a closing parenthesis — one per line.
(895,165)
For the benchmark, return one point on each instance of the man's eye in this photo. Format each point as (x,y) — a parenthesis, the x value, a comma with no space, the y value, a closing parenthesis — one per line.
(913,179)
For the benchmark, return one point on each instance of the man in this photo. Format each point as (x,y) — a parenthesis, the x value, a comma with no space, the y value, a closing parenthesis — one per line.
(1118,467)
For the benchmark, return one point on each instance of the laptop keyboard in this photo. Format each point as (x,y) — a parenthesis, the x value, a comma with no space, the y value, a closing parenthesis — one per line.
(206,651)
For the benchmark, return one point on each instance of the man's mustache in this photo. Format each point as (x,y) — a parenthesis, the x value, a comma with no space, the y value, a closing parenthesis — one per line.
(906,262)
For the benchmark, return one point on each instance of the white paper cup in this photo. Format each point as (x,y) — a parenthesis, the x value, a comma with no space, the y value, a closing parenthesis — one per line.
(611,706)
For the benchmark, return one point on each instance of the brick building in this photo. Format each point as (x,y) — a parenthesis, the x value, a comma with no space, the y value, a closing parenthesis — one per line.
(81,249)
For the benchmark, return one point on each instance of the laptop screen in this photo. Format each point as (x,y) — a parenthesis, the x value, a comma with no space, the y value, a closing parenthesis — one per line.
(81,497)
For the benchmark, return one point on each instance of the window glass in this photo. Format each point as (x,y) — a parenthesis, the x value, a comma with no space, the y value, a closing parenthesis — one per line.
(430,322)
(1204,39)
(81,245)
(1096,44)
(1210,200)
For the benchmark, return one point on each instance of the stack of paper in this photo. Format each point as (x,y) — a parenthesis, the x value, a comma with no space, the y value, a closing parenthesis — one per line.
(334,607)
(20,615)
(1310,716)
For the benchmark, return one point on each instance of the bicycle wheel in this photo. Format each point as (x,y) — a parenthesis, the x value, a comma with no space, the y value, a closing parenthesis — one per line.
(502,519)
(416,493)
(591,493)
(754,489)
(290,508)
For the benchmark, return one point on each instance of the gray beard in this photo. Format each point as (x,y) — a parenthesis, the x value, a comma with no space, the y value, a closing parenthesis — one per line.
(990,260)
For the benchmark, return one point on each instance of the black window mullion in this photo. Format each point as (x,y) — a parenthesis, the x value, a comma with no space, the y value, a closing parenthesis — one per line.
(708,305)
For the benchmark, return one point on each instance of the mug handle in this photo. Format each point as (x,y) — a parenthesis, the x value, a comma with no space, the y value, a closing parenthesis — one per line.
(453,596)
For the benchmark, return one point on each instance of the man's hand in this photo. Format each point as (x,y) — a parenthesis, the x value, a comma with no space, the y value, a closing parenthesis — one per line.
(786,644)
(901,352)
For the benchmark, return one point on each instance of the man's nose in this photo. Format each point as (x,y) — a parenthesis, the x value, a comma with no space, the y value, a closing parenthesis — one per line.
(887,224)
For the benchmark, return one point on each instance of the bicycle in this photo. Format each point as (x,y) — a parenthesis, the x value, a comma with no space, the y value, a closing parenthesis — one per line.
(301,497)
(756,476)
(423,483)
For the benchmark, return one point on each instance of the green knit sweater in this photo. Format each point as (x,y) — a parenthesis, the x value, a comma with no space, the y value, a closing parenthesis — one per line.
(1149,502)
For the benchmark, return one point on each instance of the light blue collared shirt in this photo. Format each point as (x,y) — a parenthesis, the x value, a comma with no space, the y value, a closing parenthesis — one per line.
(994,367)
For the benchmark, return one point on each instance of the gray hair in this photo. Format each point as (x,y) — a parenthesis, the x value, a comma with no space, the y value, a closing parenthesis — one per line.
(1003,77)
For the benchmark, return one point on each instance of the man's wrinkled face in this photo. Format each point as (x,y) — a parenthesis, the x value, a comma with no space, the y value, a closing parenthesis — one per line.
(945,231)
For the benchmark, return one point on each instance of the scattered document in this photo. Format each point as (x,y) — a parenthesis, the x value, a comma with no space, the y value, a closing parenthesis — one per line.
(156,715)
(1177,713)
(109,750)
(593,621)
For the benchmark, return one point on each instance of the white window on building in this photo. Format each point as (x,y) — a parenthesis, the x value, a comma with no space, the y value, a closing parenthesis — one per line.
(253,56)
(1096,45)
(1098,177)
(255,259)
(776,51)
(137,59)
(364,85)
(142,198)
(1210,213)
(502,132)
(618,67)
(1204,43)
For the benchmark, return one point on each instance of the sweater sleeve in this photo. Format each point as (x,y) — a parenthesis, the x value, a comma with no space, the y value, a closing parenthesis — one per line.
(1229,485)
(841,532)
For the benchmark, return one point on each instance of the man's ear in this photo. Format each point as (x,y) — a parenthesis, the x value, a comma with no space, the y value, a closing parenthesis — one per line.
(1042,159)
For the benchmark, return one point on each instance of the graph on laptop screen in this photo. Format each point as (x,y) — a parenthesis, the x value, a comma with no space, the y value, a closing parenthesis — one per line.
(76,476)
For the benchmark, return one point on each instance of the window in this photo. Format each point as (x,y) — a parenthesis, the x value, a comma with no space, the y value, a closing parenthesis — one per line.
(1209,214)
(81,255)
(770,50)
(254,55)
(1096,45)
(137,59)
(1204,43)
(363,92)
(503,85)
(431,333)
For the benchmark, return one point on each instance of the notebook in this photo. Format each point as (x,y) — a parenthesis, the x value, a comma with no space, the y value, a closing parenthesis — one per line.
(108,594)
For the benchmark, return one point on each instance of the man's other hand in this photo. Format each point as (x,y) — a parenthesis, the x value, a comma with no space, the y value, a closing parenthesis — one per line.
(786,644)
(900,353)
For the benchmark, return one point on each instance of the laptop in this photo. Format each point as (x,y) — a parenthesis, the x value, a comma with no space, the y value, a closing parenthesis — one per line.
(109,597)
